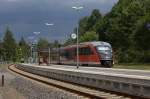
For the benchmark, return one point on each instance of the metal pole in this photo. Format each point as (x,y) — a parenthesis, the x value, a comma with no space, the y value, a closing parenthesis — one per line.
(49,24)
(77,9)
(77,47)
(31,55)
(49,51)
(2,80)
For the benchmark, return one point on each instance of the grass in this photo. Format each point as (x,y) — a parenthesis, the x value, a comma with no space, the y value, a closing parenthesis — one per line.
(3,65)
(133,66)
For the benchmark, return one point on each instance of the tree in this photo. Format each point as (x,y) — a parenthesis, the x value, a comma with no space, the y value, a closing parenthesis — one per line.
(83,25)
(100,28)
(56,44)
(1,51)
(142,33)
(88,36)
(120,22)
(92,20)
(43,44)
(69,41)
(23,49)
(87,23)
(22,42)
(120,25)
(9,46)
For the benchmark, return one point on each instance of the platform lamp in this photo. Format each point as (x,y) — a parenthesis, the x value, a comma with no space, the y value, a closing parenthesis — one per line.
(77,8)
(36,42)
(49,49)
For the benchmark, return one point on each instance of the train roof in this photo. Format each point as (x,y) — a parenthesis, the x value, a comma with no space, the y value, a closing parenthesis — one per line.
(94,43)
(97,43)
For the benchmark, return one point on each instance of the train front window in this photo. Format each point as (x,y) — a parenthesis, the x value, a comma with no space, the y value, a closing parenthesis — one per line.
(105,52)
(103,49)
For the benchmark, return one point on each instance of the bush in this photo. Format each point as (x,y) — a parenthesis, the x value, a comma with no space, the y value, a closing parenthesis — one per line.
(132,56)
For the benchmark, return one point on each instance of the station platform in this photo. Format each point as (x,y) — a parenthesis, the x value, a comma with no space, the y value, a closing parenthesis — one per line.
(134,82)
(143,74)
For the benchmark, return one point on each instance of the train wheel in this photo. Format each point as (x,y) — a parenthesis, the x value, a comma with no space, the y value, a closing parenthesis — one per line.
(106,63)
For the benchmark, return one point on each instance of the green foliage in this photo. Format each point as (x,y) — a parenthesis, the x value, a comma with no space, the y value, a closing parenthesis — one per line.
(69,42)
(89,36)
(86,28)
(23,50)
(1,48)
(9,46)
(142,33)
(100,28)
(87,23)
(83,25)
(124,27)
(1,51)
(43,43)
(95,16)
(120,23)
(55,44)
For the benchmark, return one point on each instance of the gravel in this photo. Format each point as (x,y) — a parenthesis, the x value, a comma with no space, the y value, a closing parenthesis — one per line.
(33,90)
(28,89)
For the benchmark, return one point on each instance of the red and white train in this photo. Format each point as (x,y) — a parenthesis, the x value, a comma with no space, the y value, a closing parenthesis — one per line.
(96,53)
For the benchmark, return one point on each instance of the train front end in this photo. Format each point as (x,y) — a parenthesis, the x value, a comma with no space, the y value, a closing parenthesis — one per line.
(104,51)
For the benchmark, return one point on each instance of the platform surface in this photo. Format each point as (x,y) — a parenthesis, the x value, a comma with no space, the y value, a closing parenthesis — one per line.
(142,74)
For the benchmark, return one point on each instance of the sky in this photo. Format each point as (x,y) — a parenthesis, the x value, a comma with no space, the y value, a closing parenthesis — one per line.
(27,16)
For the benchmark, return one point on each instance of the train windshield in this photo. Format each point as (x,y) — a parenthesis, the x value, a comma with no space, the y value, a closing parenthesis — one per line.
(103,48)
(104,51)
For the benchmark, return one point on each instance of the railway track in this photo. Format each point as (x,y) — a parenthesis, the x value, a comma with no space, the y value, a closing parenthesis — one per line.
(87,93)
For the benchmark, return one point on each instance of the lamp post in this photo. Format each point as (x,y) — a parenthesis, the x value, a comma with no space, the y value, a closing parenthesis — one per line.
(31,54)
(49,49)
(77,8)
(35,47)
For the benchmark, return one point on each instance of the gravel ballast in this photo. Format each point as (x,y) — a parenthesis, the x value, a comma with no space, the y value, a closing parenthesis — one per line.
(18,87)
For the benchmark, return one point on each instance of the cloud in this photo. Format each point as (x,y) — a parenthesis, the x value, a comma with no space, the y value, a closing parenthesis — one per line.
(12,0)
(26,16)
(87,2)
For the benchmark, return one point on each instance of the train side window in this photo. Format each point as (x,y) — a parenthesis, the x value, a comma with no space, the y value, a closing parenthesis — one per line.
(86,51)
(74,51)
(68,54)
(81,52)
(62,53)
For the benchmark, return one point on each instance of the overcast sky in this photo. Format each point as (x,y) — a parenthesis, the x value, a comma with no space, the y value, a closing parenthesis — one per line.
(27,16)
